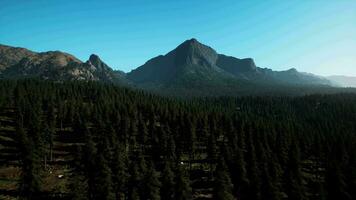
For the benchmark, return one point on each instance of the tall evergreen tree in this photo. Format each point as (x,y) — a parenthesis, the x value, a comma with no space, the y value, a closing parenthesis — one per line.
(119,172)
(294,178)
(335,179)
(222,184)
(30,176)
(137,171)
(239,175)
(254,190)
(103,182)
(183,190)
(211,151)
(151,184)
(168,182)
(78,182)
(89,159)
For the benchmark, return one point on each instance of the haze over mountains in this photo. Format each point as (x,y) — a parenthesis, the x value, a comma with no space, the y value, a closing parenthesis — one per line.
(343,81)
(191,68)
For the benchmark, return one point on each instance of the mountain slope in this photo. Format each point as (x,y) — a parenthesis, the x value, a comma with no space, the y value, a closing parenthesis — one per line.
(53,65)
(236,66)
(193,64)
(12,55)
(192,69)
(190,60)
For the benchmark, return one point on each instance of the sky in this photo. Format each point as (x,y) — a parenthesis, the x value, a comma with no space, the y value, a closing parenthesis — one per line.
(316,36)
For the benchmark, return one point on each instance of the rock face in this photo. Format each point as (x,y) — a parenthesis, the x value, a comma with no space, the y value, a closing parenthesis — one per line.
(53,65)
(99,65)
(236,66)
(10,56)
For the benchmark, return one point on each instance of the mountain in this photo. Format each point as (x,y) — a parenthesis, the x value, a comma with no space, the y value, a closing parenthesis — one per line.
(192,66)
(292,76)
(191,60)
(191,69)
(10,56)
(53,65)
(343,81)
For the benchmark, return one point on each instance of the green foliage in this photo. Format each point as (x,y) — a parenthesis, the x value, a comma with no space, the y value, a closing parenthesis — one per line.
(222,186)
(183,190)
(152,184)
(134,145)
(294,179)
(168,182)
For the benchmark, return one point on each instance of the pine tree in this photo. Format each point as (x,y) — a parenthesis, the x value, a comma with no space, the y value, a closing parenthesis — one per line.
(294,179)
(78,187)
(30,185)
(119,172)
(171,151)
(335,178)
(254,191)
(335,181)
(134,183)
(78,182)
(152,184)
(269,184)
(183,190)
(30,176)
(35,129)
(168,182)
(50,126)
(191,142)
(137,171)
(143,132)
(282,148)
(134,195)
(103,183)
(222,184)
(239,174)
(89,159)
(211,151)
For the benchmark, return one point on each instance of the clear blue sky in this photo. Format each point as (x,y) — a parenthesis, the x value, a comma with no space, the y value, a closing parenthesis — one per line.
(310,35)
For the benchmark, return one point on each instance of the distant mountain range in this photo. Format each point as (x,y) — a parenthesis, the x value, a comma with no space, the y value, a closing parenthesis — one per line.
(192,69)
(343,81)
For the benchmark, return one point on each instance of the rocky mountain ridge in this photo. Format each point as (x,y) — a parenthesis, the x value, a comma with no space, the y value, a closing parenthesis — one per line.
(190,66)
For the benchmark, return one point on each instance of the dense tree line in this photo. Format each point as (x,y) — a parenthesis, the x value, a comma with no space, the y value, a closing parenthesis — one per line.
(134,145)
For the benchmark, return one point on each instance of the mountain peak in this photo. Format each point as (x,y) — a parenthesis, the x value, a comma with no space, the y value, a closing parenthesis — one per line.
(189,59)
(94,58)
(98,63)
(192,52)
(292,70)
(191,43)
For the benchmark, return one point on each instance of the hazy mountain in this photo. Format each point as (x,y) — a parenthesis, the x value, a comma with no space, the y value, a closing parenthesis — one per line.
(191,60)
(194,62)
(191,68)
(292,76)
(343,81)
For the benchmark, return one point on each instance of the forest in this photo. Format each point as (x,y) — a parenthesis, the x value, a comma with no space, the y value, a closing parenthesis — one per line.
(97,141)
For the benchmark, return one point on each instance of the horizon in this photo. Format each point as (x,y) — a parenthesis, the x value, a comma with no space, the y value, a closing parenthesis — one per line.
(322,42)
